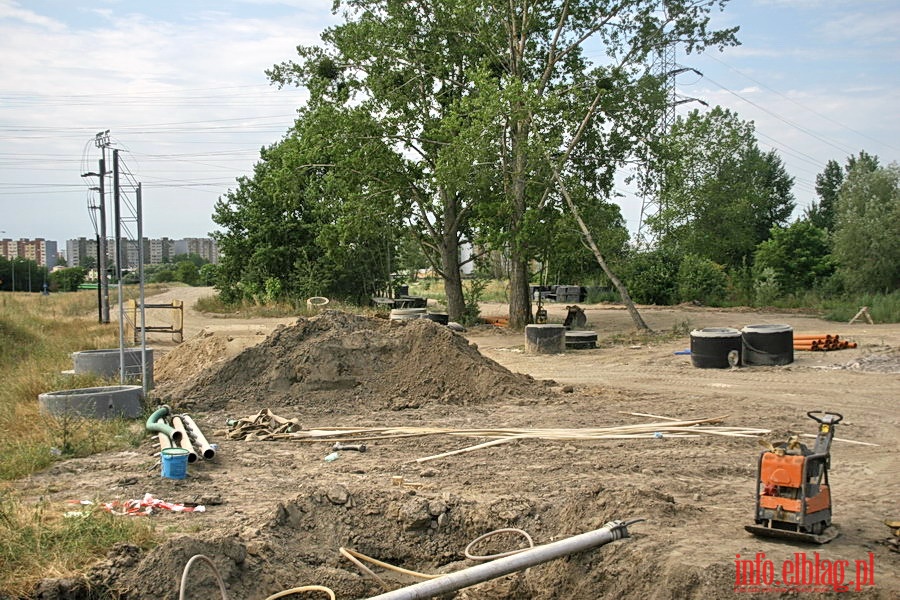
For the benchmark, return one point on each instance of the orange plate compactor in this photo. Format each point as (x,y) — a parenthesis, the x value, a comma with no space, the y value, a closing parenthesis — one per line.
(793,500)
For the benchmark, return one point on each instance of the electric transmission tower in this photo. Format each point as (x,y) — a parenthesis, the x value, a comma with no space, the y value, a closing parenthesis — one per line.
(667,70)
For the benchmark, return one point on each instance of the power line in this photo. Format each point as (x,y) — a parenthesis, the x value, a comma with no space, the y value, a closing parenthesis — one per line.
(780,118)
(803,106)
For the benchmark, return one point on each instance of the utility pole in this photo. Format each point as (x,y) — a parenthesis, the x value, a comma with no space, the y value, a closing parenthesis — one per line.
(116,216)
(102,142)
(101,257)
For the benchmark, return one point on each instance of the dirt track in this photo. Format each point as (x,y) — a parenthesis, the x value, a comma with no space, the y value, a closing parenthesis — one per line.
(277,512)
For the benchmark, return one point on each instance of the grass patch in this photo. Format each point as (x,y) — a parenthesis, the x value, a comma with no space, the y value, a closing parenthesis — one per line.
(37,540)
(637,337)
(37,336)
(213,305)
(884,308)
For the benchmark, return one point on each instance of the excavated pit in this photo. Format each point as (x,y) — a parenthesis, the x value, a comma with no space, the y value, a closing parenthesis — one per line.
(425,532)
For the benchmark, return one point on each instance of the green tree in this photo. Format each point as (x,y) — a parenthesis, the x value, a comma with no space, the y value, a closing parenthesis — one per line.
(5,274)
(192,257)
(88,262)
(566,259)
(568,121)
(828,184)
(208,274)
(497,106)
(413,64)
(652,276)
(186,271)
(701,280)
(68,279)
(317,223)
(163,275)
(866,244)
(795,258)
(720,194)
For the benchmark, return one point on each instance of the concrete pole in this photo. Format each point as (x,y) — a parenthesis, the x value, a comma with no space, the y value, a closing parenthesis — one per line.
(101,251)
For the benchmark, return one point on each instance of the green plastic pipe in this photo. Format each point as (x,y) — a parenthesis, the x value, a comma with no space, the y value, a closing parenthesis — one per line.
(156,424)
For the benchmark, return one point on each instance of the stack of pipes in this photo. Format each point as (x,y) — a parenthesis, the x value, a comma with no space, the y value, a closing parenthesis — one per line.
(179,431)
(823,342)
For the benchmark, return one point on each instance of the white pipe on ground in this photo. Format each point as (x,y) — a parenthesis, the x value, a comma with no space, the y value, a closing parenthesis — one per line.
(614,530)
(205,447)
(185,441)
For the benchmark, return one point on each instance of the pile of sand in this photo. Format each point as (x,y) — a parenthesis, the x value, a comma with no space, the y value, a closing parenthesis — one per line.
(338,359)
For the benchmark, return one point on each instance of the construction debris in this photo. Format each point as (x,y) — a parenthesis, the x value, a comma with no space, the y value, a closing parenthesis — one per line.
(893,542)
(264,425)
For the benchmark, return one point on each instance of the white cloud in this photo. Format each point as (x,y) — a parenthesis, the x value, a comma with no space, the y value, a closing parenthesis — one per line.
(13,11)
(865,28)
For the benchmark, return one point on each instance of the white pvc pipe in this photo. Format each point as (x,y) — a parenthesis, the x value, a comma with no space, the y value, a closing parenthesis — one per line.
(614,530)
(185,441)
(205,447)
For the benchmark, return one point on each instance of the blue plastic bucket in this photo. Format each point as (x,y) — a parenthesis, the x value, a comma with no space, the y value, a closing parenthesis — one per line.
(174,463)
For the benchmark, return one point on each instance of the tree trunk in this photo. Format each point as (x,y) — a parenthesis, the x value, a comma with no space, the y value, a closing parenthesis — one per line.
(456,304)
(623,292)
(519,300)
(449,248)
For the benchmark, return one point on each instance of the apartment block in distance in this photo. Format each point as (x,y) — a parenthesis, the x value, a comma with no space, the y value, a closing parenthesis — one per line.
(156,251)
(41,251)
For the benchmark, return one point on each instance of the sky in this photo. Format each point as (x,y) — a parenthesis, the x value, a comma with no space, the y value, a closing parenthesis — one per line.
(181,87)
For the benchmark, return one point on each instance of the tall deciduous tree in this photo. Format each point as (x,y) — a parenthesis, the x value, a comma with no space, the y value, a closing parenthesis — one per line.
(308,222)
(414,67)
(866,244)
(567,117)
(828,186)
(477,95)
(720,193)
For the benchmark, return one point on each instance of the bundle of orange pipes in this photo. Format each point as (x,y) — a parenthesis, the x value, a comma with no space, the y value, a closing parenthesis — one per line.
(823,342)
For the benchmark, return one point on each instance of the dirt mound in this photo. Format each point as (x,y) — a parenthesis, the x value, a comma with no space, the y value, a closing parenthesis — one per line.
(337,360)
(189,359)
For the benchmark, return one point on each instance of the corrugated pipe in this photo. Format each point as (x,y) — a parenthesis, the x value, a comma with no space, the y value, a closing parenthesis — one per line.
(157,424)
(194,432)
(185,442)
(612,531)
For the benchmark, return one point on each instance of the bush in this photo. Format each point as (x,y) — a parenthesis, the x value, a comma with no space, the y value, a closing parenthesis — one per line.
(798,255)
(702,280)
(766,289)
(67,280)
(651,277)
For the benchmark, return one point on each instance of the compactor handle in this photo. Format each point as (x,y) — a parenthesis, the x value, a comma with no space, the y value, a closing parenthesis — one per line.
(825,414)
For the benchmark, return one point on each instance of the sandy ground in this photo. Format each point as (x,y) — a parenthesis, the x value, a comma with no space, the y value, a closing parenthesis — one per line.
(277,512)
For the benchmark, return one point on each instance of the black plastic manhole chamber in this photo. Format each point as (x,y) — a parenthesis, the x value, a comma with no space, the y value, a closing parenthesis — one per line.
(712,346)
